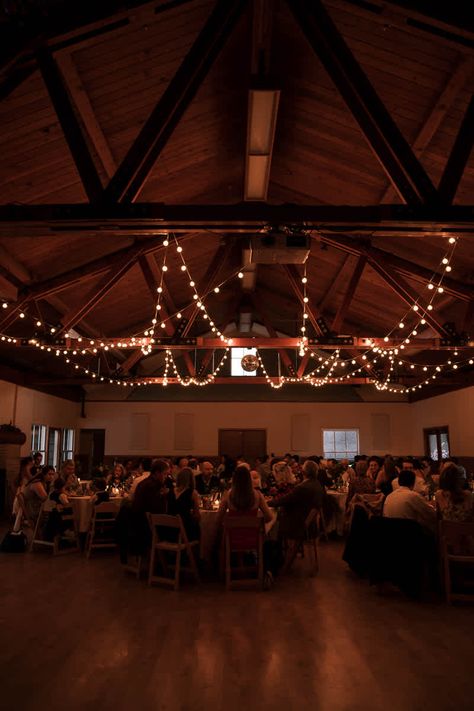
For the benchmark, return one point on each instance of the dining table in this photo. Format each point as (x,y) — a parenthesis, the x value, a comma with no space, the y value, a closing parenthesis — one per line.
(83,507)
(336,522)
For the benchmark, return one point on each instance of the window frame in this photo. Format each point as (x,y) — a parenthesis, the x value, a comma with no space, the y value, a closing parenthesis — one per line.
(438,431)
(243,352)
(345,454)
(39,440)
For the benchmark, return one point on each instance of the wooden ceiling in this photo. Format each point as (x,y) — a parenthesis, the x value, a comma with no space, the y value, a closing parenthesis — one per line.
(126,125)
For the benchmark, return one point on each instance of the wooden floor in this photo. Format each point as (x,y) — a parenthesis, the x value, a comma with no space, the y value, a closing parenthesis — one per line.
(77,634)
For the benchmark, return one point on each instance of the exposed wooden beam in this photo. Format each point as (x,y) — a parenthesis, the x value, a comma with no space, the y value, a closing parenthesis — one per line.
(284,355)
(404,267)
(246,217)
(405,292)
(342,274)
(99,291)
(70,125)
(458,157)
(385,139)
(349,295)
(302,365)
(135,168)
(211,279)
(468,322)
(84,108)
(90,269)
(438,112)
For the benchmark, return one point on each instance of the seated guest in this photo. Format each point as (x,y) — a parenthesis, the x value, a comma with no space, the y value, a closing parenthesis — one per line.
(68,473)
(296,505)
(55,525)
(35,492)
(256,481)
(386,474)
(151,496)
(347,471)
(243,498)
(373,467)
(324,477)
(404,502)
(264,469)
(362,483)
(186,503)
(453,502)
(282,473)
(58,494)
(420,485)
(206,481)
(101,495)
(144,473)
(117,476)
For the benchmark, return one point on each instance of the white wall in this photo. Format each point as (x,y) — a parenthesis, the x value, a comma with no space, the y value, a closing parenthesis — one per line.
(454,409)
(117,419)
(24,407)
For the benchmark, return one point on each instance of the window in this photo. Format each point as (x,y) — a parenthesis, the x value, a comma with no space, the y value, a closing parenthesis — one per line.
(437,443)
(340,444)
(236,360)
(38,439)
(54,438)
(67,445)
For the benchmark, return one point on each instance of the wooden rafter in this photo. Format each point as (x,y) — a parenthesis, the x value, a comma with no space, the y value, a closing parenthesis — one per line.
(99,291)
(210,280)
(284,355)
(459,156)
(295,282)
(87,270)
(405,292)
(246,217)
(349,295)
(70,125)
(400,266)
(388,144)
(135,168)
(342,274)
(438,112)
(84,108)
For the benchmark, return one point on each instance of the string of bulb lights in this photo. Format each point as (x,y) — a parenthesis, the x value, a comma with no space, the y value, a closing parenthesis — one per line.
(323,374)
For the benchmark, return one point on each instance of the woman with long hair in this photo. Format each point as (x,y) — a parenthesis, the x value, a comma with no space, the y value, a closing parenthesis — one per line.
(186,503)
(453,502)
(243,498)
(36,491)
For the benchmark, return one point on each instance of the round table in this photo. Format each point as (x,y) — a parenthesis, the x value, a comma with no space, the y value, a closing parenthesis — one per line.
(336,523)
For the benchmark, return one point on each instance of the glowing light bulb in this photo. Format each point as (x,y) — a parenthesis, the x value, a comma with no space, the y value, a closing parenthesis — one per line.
(430,286)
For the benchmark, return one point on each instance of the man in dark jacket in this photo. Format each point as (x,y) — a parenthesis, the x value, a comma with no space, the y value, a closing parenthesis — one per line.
(296,505)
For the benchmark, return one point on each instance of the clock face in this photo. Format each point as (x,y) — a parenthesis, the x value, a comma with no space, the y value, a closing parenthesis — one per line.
(249,363)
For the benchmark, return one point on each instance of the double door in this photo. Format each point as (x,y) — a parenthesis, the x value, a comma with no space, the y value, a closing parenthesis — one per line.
(248,444)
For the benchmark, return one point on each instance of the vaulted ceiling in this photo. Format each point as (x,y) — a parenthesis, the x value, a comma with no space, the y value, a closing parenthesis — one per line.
(126,157)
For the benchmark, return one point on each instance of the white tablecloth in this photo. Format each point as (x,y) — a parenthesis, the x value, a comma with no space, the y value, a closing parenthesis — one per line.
(336,523)
(82,507)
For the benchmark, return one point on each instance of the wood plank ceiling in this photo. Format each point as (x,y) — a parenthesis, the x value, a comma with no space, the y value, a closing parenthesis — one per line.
(123,129)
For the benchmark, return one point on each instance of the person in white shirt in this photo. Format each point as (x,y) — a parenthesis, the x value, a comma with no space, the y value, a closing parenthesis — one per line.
(404,502)
(420,486)
(145,466)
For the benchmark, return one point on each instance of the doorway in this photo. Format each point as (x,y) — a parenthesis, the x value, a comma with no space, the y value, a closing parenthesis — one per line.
(249,444)
(91,450)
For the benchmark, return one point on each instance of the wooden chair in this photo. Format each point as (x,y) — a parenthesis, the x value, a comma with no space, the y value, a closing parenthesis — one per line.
(243,538)
(312,532)
(457,549)
(48,509)
(160,547)
(101,532)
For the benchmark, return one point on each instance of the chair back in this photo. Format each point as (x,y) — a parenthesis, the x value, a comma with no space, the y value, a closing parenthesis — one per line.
(312,524)
(105,511)
(243,531)
(160,522)
(457,539)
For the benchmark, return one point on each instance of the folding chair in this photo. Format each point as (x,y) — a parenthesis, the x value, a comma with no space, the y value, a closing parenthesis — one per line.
(312,532)
(457,551)
(49,509)
(164,526)
(101,532)
(243,541)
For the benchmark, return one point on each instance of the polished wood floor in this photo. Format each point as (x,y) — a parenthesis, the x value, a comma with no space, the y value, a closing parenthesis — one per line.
(77,634)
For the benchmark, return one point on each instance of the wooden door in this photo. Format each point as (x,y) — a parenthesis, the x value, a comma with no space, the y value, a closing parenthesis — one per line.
(91,450)
(246,443)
